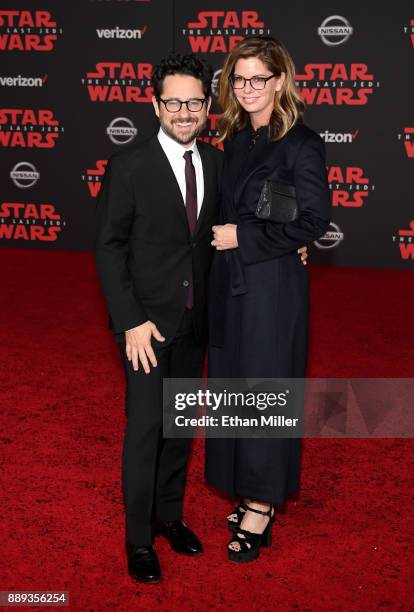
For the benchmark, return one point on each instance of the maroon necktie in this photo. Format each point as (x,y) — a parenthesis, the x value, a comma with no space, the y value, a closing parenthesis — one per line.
(191,208)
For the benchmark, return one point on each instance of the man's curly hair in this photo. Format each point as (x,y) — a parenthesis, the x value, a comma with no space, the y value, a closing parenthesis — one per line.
(189,65)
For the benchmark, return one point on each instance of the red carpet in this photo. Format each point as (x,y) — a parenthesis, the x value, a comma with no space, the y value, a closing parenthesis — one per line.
(345,544)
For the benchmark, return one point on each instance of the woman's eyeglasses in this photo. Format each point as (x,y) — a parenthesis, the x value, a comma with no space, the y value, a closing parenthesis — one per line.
(257,82)
(174,106)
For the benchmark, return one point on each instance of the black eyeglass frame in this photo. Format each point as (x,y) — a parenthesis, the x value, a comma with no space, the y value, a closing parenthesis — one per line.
(265,79)
(186,102)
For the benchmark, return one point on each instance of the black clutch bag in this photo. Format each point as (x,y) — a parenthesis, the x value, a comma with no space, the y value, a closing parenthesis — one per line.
(277,202)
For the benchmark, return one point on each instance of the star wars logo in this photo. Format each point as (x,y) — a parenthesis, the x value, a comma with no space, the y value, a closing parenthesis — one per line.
(405,241)
(119,82)
(407,138)
(409,29)
(336,84)
(21,221)
(219,31)
(93,177)
(28,31)
(29,128)
(350,188)
(211,133)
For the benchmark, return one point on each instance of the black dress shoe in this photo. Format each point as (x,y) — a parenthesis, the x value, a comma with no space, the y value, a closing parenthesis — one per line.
(180,537)
(143,564)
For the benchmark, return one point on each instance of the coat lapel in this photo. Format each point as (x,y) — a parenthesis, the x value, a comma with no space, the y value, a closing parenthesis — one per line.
(238,161)
(209,177)
(254,161)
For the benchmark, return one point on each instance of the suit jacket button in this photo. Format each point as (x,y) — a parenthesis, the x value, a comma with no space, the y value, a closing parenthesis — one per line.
(185,283)
(193,245)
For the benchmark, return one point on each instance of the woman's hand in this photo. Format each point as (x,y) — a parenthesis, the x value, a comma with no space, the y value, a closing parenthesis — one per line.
(303,252)
(225,237)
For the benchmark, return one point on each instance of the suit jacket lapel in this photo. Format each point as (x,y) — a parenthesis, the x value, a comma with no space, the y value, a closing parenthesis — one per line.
(168,179)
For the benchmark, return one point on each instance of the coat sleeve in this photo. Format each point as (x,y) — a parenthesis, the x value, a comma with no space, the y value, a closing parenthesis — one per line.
(115,215)
(262,240)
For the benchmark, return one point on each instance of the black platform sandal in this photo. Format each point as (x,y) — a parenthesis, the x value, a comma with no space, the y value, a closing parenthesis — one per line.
(250,543)
(235,518)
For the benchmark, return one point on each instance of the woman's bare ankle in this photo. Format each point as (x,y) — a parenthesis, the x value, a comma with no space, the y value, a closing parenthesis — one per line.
(257,505)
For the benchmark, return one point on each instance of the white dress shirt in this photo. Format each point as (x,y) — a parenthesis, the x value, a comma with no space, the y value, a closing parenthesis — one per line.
(175,153)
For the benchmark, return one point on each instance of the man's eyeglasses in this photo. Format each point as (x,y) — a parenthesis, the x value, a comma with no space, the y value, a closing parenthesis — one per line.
(174,106)
(257,82)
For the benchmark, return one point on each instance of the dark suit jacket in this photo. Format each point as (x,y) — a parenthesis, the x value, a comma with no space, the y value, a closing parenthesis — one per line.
(145,254)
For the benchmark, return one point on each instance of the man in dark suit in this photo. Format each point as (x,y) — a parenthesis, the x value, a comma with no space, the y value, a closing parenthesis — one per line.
(157,206)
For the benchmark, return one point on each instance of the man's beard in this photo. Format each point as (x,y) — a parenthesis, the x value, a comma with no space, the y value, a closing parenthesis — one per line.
(185,139)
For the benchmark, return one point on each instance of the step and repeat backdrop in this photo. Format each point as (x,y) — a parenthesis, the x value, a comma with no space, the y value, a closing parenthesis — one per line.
(75,87)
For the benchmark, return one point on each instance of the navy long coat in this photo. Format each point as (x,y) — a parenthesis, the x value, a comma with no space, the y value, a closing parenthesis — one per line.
(258,297)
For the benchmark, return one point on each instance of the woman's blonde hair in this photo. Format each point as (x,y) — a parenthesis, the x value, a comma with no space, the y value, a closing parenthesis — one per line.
(288,108)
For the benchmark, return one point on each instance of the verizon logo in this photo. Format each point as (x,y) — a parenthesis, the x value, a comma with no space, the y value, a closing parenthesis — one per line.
(19,81)
(121,33)
(338,136)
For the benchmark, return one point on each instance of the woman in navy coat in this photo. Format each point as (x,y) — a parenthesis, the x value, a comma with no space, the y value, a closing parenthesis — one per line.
(258,299)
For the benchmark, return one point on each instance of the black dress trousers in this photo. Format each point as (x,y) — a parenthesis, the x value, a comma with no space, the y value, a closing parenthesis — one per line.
(153,468)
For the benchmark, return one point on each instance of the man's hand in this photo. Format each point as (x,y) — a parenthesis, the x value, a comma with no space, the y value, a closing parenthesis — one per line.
(225,237)
(303,252)
(138,345)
